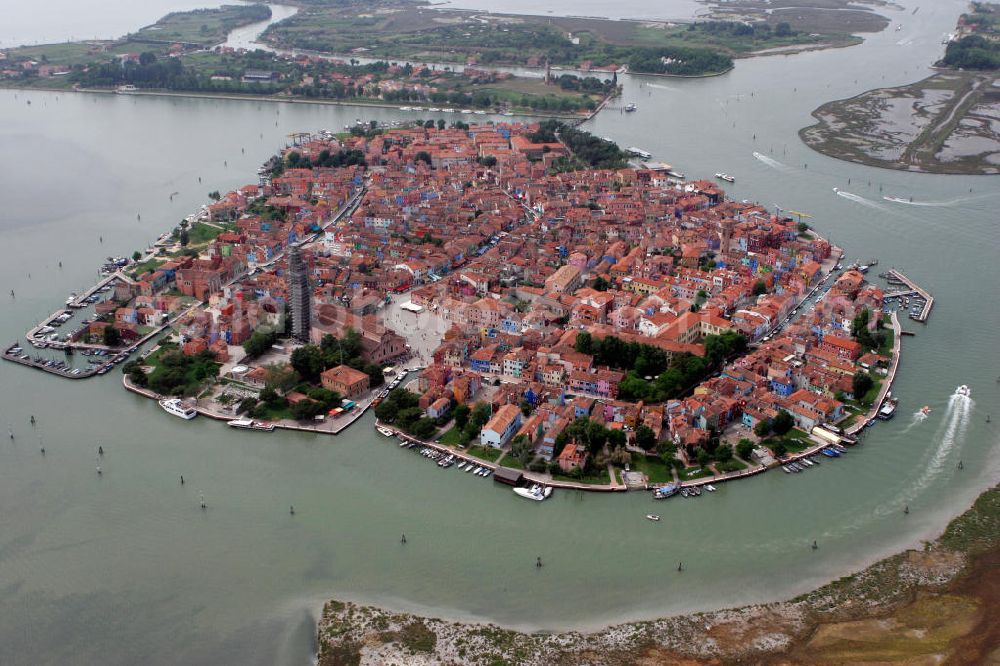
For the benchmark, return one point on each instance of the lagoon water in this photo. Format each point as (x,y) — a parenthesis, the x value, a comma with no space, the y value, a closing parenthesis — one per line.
(125,568)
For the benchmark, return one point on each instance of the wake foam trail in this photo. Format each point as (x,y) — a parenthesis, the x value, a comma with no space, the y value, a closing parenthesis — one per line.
(861,200)
(941,204)
(773,163)
(918,418)
(952,433)
(659,87)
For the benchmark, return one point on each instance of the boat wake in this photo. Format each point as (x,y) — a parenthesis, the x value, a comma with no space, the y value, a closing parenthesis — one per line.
(859,199)
(773,163)
(918,418)
(939,204)
(952,435)
(659,87)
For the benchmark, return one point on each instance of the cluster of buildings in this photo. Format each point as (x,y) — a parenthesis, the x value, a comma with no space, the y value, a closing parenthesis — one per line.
(515,262)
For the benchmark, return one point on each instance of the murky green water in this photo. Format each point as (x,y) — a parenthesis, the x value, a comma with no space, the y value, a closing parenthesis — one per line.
(126,568)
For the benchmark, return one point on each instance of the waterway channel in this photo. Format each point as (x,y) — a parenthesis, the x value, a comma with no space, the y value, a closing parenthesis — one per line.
(124,567)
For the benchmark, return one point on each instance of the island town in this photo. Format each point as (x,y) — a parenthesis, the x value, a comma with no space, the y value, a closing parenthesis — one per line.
(505,303)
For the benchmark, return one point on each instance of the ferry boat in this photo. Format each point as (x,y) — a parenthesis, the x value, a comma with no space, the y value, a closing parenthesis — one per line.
(250,424)
(726,177)
(177,408)
(639,152)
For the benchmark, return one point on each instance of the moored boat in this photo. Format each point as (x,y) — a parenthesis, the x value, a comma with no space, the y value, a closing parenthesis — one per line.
(177,408)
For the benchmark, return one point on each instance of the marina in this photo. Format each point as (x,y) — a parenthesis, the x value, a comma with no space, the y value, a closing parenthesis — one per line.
(910,288)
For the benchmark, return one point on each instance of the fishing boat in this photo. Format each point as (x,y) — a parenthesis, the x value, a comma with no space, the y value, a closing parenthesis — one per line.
(888,409)
(177,408)
(666,491)
(726,177)
(652,516)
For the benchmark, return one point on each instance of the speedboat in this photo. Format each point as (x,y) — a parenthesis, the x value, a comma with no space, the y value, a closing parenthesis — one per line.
(925,410)
(652,516)
(528,493)
(964,390)
(710,488)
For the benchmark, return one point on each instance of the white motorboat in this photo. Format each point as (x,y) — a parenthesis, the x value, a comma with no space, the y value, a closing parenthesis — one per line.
(177,408)
(726,177)
(964,390)
(527,493)
(250,424)
(653,517)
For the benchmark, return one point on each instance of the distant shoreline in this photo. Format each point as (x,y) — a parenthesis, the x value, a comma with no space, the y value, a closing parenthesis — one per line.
(273,99)
(944,597)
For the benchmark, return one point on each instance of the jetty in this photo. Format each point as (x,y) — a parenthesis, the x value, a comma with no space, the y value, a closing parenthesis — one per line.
(909,288)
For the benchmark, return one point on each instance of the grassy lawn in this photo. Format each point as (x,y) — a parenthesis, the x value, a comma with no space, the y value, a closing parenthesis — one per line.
(453,437)
(511,462)
(890,335)
(692,473)
(145,266)
(600,479)
(733,465)
(487,453)
(653,467)
(200,234)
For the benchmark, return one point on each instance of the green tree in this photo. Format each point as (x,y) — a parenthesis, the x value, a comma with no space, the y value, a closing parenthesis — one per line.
(861,383)
(762,428)
(309,362)
(184,237)
(724,453)
(259,343)
(112,336)
(601,284)
(136,256)
(645,438)
(462,416)
(744,448)
(779,449)
(783,422)
(759,287)
(703,457)
(423,156)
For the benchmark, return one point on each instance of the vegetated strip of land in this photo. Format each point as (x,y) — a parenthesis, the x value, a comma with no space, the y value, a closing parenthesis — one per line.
(179,65)
(948,126)
(407,30)
(940,604)
(945,123)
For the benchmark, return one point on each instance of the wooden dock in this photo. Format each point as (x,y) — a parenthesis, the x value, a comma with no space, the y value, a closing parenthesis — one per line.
(910,288)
